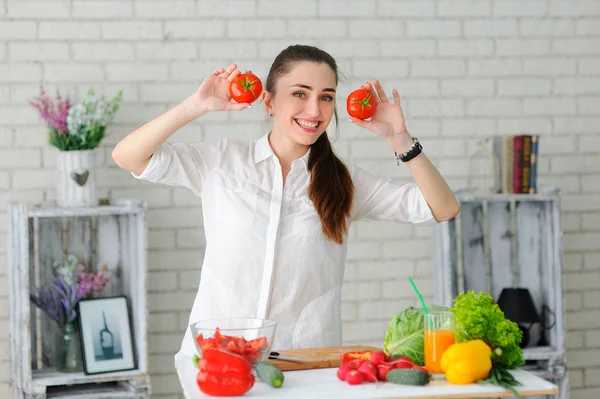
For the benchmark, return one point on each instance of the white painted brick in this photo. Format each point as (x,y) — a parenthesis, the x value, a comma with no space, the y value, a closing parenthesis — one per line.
(259,28)
(365,250)
(166,384)
(523,47)
(589,66)
(359,332)
(73,72)
(189,280)
(577,86)
(465,48)
(138,72)
(179,259)
(588,27)
(491,28)
(573,301)
(576,46)
(3,55)
(574,341)
(580,8)
(173,218)
(226,8)
(102,9)
(414,8)
(37,9)
(579,124)
(435,107)
(288,8)
(154,197)
(162,322)
(406,48)
(402,289)
(165,343)
(546,27)
(349,312)
(493,107)
(409,88)
(159,93)
(162,281)
(20,72)
(134,30)
(573,261)
(188,71)
(369,148)
(369,230)
(575,378)
(589,144)
(440,67)
(454,167)
(575,163)
(163,9)
(464,8)
(382,310)
(433,28)
(379,69)
(590,184)
(364,28)
(38,51)
(591,300)
(313,28)
(549,106)
(216,49)
(367,48)
(7,136)
(190,238)
(67,30)
(566,184)
(386,270)
(23,30)
(582,241)
(103,51)
(345,8)
(269,48)
(591,261)
(28,179)
(586,202)
(524,87)
(467,87)
(583,320)
(438,148)
(516,8)
(468,127)
(413,249)
(496,67)
(558,145)
(12,159)
(161,364)
(161,239)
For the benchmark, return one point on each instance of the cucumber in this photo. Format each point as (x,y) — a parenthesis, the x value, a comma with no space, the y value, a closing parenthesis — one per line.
(269,373)
(408,377)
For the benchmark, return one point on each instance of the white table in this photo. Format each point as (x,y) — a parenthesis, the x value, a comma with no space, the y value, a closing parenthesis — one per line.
(323,383)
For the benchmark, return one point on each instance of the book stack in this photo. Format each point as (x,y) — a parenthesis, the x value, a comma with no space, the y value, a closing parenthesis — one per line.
(517,157)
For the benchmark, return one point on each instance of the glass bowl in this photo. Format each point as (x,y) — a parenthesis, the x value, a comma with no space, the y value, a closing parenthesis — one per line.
(251,338)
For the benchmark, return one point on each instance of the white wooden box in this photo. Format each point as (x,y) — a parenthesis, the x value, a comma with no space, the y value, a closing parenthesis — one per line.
(115,235)
(509,240)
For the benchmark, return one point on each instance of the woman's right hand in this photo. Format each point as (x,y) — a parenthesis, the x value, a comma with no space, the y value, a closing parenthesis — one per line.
(213,93)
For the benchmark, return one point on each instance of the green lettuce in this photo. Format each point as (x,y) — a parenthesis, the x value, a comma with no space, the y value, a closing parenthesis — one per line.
(405,335)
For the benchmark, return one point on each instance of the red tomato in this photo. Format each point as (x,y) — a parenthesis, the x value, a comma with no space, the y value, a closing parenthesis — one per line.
(245,88)
(361,104)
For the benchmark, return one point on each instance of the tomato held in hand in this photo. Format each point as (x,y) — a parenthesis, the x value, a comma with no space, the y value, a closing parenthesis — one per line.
(361,104)
(245,88)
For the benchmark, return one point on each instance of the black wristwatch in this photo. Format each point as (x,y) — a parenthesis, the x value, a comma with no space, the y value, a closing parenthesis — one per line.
(412,152)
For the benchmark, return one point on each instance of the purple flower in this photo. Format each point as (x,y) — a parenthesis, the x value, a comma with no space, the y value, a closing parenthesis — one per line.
(55,114)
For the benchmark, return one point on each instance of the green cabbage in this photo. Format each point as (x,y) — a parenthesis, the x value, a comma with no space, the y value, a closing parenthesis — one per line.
(405,335)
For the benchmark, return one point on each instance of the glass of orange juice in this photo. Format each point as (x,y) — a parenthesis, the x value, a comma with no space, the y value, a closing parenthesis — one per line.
(439,335)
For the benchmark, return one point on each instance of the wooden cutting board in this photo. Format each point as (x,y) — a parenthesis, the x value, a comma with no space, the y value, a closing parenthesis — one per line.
(317,358)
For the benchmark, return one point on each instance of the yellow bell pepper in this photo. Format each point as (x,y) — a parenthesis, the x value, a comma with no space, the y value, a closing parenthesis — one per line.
(467,362)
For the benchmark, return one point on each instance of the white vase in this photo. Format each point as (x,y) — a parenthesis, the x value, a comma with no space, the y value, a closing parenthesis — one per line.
(76,184)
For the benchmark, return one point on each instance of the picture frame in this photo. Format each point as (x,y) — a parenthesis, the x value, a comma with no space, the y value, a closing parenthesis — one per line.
(105,330)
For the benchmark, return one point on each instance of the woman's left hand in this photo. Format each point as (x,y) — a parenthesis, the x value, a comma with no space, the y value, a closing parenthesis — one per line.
(388,119)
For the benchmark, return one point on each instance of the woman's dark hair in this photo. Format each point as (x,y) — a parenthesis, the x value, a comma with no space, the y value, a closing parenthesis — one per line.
(331,189)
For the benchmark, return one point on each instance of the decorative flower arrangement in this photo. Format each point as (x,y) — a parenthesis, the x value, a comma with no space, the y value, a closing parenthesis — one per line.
(59,298)
(76,127)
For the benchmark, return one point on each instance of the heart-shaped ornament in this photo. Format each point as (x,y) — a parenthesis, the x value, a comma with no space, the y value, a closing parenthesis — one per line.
(80,178)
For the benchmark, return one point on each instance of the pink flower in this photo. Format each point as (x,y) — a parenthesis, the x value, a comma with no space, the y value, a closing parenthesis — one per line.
(91,284)
(55,114)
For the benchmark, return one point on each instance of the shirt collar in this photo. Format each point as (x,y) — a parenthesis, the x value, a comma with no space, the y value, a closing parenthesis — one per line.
(263,150)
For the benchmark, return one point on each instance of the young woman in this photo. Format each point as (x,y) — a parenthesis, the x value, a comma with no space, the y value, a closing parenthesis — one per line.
(276,210)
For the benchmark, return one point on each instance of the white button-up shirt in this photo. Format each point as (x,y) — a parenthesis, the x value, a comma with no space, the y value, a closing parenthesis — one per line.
(266,255)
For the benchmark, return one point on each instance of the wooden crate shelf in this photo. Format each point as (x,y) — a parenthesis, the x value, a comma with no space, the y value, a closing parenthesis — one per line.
(505,241)
(113,234)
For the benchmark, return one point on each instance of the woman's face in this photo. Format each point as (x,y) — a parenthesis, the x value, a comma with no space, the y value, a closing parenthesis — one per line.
(304,102)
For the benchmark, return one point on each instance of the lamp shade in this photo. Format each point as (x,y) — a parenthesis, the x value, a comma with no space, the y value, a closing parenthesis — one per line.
(517,305)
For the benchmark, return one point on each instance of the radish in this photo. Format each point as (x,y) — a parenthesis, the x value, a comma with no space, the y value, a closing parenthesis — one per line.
(343,371)
(354,377)
(369,371)
(377,358)
(382,371)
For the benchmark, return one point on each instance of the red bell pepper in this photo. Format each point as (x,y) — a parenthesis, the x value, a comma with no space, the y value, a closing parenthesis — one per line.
(360,356)
(222,373)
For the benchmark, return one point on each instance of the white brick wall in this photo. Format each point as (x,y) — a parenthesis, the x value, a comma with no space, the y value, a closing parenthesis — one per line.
(465,70)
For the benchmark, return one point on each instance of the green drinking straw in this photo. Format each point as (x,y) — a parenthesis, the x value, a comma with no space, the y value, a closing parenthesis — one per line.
(420,299)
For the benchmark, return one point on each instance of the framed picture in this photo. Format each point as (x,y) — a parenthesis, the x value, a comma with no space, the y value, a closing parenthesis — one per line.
(106,342)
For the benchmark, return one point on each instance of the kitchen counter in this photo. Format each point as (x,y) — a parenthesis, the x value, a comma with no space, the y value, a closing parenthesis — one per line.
(323,383)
